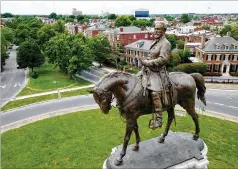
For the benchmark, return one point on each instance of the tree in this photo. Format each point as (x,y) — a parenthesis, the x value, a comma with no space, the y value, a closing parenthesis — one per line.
(72,16)
(141,23)
(59,26)
(169,18)
(29,55)
(69,52)
(174,60)
(207,27)
(112,16)
(180,44)
(123,21)
(44,34)
(132,18)
(53,15)
(7,15)
(185,18)
(225,30)
(172,40)
(234,32)
(8,34)
(101,48)
(184,55)
(80,18)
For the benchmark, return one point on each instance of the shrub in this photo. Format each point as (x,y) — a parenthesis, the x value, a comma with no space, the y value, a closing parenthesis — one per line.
(34,75)
(192,68)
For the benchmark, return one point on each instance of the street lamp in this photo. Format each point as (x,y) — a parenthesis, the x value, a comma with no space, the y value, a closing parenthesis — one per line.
(59,96)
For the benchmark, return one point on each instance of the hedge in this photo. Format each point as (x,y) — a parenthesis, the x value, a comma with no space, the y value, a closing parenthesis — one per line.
(192,68)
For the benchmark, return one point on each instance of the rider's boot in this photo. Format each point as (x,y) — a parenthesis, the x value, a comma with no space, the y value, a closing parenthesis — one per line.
(156,98)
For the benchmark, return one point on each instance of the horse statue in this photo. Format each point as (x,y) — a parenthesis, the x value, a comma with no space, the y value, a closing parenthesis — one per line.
(133,102)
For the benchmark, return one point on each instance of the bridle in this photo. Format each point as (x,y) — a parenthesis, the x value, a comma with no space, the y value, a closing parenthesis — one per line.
(104,92)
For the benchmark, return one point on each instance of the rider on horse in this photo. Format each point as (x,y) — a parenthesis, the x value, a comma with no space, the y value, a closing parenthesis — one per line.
(154,75)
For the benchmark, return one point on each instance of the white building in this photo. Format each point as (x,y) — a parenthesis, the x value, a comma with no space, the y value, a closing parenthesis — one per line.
(76,13)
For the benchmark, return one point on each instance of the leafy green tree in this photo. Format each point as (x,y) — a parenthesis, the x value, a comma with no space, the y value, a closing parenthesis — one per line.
(69,52)
(184,55)
(169,18)
(172,40)
(234,32)
(132,18)
(174,60)
(44,34)
(101,48)
(180,44)
(225,29)
(59,26)
(207,27)
(53,15)
(8,34)
(29,55)
(72,16)
(80,18)
(7,15)
(122,21)
(185,18)
(142,23)
(112,16)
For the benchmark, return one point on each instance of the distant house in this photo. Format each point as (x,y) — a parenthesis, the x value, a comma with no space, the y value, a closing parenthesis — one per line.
(95,30)
(212,21)
(126,35)
(135,50)
(221,54)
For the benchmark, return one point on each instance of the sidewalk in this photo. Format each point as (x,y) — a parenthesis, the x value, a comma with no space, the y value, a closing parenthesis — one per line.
(52,92)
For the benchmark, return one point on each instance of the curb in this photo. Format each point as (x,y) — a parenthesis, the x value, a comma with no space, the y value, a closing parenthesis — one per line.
(212,114)
(33,119)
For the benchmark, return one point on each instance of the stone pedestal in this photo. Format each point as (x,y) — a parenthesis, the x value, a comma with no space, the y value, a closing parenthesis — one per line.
(178,151)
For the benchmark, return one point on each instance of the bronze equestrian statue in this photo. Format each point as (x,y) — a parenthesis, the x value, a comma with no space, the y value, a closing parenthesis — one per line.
(133,102)
(154,75)
(151,90)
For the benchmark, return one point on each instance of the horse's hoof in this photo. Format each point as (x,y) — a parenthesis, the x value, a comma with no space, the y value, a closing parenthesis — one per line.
(161,140)
(118,162)
(195,137)
(135,148)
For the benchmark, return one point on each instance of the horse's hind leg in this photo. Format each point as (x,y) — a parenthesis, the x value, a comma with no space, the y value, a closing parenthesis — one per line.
(170,119)
(136,130)
(191,111)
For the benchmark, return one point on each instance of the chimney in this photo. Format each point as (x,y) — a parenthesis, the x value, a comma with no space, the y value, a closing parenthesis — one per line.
(142,28)
(203,41)
(121,29)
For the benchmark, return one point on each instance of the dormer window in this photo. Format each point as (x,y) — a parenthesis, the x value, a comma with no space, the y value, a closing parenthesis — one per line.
(235,47)
(226,47)
(218,47)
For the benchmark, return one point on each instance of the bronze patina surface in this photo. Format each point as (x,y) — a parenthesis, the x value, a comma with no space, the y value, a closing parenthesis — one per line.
(133,102)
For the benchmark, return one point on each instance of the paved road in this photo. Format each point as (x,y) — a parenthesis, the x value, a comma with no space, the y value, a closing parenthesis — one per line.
(219,101)
(12,79)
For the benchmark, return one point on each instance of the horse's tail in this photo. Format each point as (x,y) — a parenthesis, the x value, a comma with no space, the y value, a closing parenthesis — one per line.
(200,84)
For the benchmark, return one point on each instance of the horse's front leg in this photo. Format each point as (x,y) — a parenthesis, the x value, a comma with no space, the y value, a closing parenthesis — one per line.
(170,119)
(129,128)
(136,130)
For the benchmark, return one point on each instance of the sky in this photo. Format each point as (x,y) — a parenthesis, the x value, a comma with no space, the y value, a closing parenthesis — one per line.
(118,7)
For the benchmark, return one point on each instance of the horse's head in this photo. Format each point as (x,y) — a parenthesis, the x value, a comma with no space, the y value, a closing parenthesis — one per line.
(106,87)
(103,98)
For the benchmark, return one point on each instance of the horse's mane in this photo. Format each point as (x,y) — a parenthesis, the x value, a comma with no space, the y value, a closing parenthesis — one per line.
(115,77)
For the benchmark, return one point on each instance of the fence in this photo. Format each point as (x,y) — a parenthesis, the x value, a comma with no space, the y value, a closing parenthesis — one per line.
(220,80)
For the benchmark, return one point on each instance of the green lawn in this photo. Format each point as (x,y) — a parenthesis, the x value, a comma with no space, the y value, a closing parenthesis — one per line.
(24,102)
(85,139)
(45,81)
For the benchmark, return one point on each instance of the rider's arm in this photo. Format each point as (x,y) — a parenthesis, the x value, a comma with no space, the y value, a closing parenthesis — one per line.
(162,60)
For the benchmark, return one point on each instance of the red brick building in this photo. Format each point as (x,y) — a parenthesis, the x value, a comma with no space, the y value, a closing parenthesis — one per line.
(212,21)
(126,35)
(221,54)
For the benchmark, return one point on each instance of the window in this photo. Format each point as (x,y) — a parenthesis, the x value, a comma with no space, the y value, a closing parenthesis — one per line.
(235,57)
(216,68)
(146,35)
(209,57)
(235,47)
(217,57)
(218,47)
(226,47)
(209,67)
(134,36)
(118,37)
(151,35)
(233,68)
